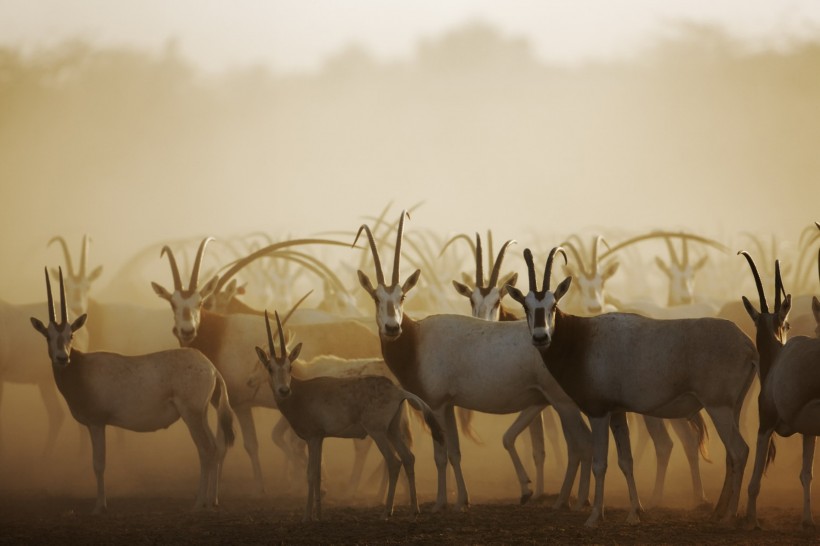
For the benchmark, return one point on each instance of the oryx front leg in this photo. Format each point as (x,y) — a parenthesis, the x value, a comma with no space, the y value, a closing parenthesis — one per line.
(805,479)
(55,416)
(761,454)
(620,430)
(454,456)
(600,448)
(314,479)
(737,452)
(525,419)
(393,468)
(579,452)
(98,456)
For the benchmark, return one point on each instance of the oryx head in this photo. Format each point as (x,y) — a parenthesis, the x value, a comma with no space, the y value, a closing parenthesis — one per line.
(77,283)
(186,302)
(485,300)
(59,336)
(590,278)
(278,367)
(389,299)
(771,326)
(681,274)
(540,306)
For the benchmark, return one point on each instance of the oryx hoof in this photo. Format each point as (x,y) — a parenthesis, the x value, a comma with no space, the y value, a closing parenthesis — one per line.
(526,497)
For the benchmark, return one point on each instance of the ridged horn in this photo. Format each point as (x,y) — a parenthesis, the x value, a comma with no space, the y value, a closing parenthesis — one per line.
(764,307)
(63,311)
(479,262)
(51,317)
(271,347)
(548,267)
(174,269)
(66,253)
(281,336)
(497,265)
(84,256)
(397,256)
(530,269)
(672,254)
(198,262)
(577,256)
(778,286)
(375,251)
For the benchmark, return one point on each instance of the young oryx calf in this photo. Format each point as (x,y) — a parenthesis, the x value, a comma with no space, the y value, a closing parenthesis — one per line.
(140,393)
(337,407)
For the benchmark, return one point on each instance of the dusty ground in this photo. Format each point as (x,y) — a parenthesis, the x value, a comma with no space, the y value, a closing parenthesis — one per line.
(152,478)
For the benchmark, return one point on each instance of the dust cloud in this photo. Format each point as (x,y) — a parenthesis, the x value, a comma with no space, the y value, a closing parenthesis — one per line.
(698,132)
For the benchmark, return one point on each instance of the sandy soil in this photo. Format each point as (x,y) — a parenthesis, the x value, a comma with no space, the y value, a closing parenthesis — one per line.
(152,478)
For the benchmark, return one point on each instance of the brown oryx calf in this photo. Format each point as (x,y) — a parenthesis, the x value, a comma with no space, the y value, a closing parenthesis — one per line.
(335,407)
(140,393)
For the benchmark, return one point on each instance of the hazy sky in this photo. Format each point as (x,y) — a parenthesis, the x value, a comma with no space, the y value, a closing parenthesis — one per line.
(288,34)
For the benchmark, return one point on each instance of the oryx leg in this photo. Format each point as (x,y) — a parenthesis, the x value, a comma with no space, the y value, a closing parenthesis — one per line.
(620,431)
(579,452)
(551,434)
(197,423)
(454,456)
(393,468)
(761,454)
(600,449)
(54,413)
(314,479)
(245,418)
(656,429)
(98,457)
(398,439)
(691,448)
(737,452)
(530,417)
(805,479)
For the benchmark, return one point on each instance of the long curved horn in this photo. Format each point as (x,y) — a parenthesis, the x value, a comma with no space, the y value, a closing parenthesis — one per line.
(296,306)
(664,234)
(63,311)
(234,267)
(270,335)
(66,253)
(479,262)
(598,240)
(548,268)
(281,336)
(530,269)
(198,262)
(497,265)
(397,256)
(84,256)
(51,317)
(375,251)
(764,307)
(490,254)
(778,286)
(174,269)
(577,256)
(455,238)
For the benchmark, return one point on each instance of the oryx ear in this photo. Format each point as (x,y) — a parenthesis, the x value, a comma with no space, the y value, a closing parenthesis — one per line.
(411,281)
(209,287)
(96,273)
(750,309)
(294,354)
(610,269)
(511,282)
(78,323)
(665,268)
(364,280)
(463,289)
(39,326)
(515,293)
(562,289)
(700,263)
(263,356)
(160,291)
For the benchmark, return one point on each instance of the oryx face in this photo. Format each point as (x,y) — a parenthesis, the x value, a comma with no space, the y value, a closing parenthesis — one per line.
(486,304)
(187,308)
(540,310)
(59,336)
(389,302)
(592,293)
(278,367)
(681,286)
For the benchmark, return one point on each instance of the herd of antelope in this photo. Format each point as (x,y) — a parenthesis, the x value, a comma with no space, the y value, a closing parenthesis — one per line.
(574,349)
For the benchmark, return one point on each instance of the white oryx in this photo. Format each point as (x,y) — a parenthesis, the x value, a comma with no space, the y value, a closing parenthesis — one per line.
(485,304)
(456,360)
(228,341)
(618,362)
(140,393)
(335,407)
(789,401)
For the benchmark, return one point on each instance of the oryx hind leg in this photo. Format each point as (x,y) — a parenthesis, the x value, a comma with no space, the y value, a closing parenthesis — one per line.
(393,467)
(806,477)
(620,431)
(196,419)
(579,453)
(397,436)
(530,417)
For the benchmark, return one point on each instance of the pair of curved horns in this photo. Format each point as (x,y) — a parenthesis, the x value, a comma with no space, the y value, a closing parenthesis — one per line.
(778,284)
(375,251)
(547,269)
(593,266)
(281,337)
(197,263)
(67,255)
